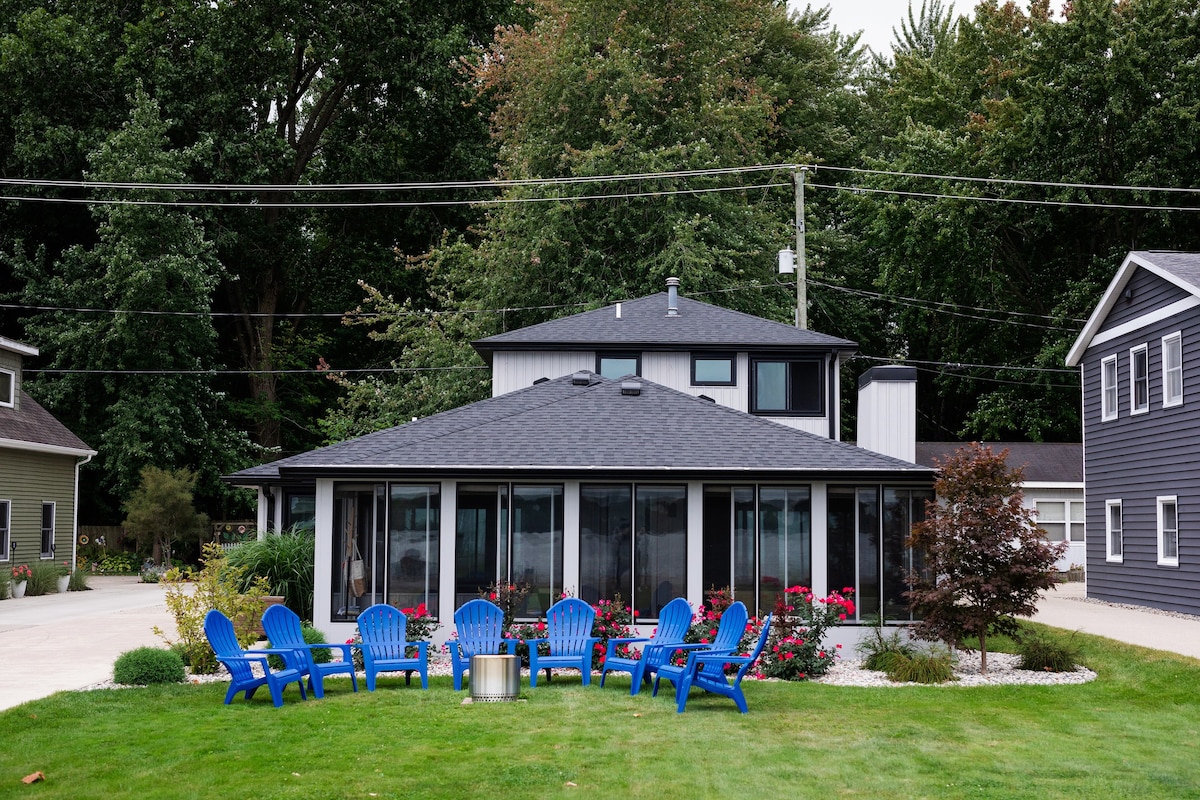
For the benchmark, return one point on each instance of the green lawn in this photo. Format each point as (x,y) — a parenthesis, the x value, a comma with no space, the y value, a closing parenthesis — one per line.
(1132,733)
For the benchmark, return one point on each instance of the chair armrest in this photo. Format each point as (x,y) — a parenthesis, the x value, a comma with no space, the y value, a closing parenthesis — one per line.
(628,639)
(717,658)
(345,648)
(535,642)
(422,648)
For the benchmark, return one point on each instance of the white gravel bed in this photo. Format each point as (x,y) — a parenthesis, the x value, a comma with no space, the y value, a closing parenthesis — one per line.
(1002,671)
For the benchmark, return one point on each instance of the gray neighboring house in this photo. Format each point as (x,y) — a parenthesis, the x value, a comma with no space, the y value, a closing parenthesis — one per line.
(1053,487)
(673,476)
(39,471)
(1139,353)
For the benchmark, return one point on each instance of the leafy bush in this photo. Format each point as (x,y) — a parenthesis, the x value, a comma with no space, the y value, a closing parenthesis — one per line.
(707,619)
(152,574)
(880,652)
(1044,653)
(221,586)
(147,665)
(614,620)
(5,582)
(933,666)
(79,582)
(321,655)
(43,579)
(118,564)
(287,561)
(796,650)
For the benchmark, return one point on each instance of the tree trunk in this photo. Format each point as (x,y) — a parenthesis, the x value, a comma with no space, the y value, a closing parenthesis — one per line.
(983,653)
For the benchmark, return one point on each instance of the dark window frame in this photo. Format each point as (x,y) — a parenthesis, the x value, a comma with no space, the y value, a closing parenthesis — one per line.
(733,368)
(822,402)
(622,354)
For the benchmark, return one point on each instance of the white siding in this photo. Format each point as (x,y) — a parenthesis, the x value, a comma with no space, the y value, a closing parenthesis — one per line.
(817,425)
(517,370)
(887,418)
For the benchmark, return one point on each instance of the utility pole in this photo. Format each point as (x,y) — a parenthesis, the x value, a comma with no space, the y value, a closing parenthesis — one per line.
(801,268)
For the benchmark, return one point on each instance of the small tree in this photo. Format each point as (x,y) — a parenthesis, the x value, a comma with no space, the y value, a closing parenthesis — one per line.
(160,511)
(985,560)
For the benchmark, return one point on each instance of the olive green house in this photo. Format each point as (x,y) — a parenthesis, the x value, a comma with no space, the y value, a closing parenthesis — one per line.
(39,471)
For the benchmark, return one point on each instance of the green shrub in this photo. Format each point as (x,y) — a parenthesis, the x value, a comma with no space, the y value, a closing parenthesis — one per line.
(934,666)
(220,586)
(147,665)
(880,652)
(118,564)
(5,582)
(1044,653)
(287,560)
(79,582)
(43,579)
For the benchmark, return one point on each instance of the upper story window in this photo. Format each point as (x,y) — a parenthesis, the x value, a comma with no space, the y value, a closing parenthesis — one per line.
(8,388)
(714,370)
(1139,380)
(618,365)
(1112,524)
(1108,388)
(1172,366)
(787,387)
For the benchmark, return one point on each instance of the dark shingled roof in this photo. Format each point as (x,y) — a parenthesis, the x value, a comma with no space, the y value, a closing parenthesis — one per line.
(32,424)
(1044,462)
(591,429)
(1185,266)
(644,323)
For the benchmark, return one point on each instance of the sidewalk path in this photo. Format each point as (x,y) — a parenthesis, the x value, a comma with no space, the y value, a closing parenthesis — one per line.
(1066,608)
(67,641)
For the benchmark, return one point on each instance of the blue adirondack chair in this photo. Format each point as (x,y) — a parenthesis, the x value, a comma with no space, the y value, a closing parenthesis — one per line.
(480,628)
(239,662)
(673,623)
(283,630)
(385,645)
(706,671)
(729,633)
(569,636)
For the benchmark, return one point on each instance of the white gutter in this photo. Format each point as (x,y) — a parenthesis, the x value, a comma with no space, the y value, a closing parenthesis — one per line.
(54,449)
(75,509)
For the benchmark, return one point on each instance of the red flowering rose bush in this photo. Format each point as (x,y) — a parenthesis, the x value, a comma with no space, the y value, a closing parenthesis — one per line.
(707,619)
(614,620)
(796,649)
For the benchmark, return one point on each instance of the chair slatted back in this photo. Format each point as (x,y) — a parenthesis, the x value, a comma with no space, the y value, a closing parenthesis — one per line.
(758,648)
(221,636)
(673,623)
(384,630)
(283,630)
(729,633)
(569,625)
(480,627)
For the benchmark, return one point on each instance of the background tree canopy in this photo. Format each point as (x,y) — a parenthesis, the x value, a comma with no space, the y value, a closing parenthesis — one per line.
(981,283)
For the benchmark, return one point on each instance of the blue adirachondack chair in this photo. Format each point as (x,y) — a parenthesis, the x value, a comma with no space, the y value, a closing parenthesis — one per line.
(385,646)
(673,623)
(241,663)
(730,631)
(284,631)
(479,629)
(706,671)
(569,637)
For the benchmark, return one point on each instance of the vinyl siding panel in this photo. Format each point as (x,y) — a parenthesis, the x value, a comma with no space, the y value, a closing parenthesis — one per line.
(675,370)
(1136,459)
(1148,293)
(517,370)
(28,479)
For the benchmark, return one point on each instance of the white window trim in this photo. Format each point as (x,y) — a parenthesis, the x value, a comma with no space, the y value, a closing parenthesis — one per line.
(1168,401)
(1165,561)
(11,400)
(1108,414)
(1108,532)
(1134,409)
(6,536)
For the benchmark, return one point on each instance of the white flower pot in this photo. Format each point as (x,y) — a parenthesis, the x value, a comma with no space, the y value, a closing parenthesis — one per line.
(18,589)
(63,582)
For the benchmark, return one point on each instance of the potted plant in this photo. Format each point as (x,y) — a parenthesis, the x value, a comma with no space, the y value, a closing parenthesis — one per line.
(20,577)
(64,576)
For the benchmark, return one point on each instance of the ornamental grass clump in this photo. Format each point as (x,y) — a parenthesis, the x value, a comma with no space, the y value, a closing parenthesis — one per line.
(43,579)
(935,665)
(148,665)
(287,560)
(1043,653)
(880,653)
(796,650)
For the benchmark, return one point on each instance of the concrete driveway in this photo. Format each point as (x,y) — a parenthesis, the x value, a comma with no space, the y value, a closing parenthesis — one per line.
(67,641)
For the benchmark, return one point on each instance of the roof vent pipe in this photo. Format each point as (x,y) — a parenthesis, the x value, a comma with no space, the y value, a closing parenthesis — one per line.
(672,297)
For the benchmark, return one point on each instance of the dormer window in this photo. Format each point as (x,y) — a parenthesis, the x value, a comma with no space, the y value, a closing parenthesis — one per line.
(8,388)
(787,387)
(618,365)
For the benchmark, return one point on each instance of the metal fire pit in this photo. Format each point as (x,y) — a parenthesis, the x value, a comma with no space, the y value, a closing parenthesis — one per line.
(495,679)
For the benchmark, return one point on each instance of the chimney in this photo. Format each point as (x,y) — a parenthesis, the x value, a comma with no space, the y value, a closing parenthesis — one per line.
(672,297)
(887,411)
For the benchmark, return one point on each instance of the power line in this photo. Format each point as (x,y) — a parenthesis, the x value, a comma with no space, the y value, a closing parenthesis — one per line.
(1013,200)
(216,372)
(1014,181)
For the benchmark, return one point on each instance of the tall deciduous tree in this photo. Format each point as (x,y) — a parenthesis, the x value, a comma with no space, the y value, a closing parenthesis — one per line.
(985,559)
(160,512)
(153,274)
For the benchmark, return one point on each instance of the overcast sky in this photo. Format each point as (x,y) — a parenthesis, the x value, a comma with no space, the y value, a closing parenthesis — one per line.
(875,18)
